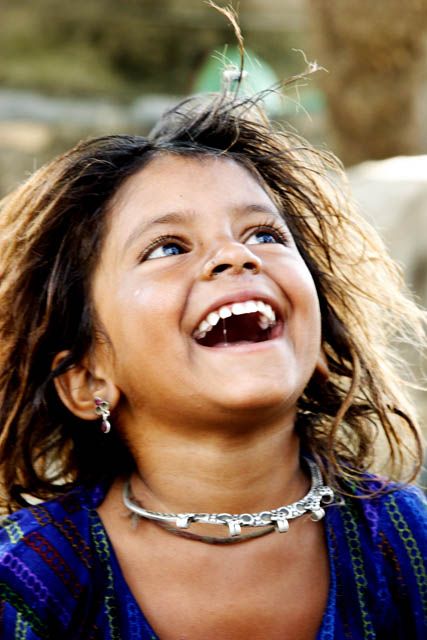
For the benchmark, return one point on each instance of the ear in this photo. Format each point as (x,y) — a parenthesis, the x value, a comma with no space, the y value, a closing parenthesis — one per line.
(78,386)
(322,370)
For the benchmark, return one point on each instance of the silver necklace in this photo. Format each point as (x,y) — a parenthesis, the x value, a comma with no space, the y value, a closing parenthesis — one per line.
(278,518)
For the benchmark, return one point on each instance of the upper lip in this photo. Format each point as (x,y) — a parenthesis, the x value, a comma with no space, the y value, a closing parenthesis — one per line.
(240,296)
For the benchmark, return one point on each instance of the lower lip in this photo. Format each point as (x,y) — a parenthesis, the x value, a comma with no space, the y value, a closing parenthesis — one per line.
(249,347)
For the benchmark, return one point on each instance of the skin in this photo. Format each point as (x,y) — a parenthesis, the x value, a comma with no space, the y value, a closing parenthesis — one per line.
(211,429)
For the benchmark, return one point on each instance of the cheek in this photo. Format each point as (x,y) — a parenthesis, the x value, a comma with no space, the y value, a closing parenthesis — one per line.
(160,297)
(298,285)
(146,317)
(305,304)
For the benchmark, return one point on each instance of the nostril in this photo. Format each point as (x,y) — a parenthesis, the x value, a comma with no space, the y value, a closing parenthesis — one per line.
(221,267)
(250,266)
(232,267)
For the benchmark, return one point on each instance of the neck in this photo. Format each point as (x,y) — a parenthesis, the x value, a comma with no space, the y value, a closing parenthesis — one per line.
(218,472)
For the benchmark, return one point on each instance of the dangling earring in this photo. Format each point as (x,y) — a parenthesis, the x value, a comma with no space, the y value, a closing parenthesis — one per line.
(102,408)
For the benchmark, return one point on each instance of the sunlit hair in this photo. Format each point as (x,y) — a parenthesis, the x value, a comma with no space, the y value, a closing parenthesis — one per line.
(51,234)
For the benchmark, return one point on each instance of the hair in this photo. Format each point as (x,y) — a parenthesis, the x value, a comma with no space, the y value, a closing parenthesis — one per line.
(51,234)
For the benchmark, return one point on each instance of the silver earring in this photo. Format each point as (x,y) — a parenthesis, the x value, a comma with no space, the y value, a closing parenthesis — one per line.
(102,409)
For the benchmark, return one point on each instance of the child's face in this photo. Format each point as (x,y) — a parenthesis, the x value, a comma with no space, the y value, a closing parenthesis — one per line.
(189,237)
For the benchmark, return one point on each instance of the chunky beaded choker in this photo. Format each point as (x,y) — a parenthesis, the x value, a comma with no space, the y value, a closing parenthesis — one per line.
(273,519)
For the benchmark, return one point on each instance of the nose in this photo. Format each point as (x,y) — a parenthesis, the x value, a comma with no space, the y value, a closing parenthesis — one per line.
(233,258)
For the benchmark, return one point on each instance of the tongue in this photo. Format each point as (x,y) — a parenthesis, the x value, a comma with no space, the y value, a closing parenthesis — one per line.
(235,330)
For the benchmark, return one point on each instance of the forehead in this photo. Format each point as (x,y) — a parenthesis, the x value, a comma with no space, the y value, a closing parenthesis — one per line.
(200,183)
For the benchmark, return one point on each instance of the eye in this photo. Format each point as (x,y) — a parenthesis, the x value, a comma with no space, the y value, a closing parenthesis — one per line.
(163,248)
(267,235)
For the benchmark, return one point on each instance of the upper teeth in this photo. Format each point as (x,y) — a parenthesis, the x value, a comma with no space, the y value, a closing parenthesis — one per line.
(267,315)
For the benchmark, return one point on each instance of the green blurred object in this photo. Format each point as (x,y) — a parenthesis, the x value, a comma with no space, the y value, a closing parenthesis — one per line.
(259,76)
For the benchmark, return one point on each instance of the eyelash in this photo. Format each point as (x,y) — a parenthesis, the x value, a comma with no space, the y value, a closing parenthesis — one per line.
(275,229)
(158,242)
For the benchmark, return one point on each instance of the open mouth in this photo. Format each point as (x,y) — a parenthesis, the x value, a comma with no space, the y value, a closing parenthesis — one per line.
(238,323)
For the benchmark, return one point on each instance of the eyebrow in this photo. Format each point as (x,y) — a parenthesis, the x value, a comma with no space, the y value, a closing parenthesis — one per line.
(186,216)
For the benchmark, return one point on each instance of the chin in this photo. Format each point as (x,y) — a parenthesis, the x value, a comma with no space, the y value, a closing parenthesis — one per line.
(259,397)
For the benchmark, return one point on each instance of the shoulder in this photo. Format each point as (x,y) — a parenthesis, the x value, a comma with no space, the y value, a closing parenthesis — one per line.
(381,547)
(393,511)
(45,561)
(402,535)
(397,508)
(404,510)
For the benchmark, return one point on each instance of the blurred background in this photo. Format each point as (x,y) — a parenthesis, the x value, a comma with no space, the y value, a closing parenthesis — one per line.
(69,70)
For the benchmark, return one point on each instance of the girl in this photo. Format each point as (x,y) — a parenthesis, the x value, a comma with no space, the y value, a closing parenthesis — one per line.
(199,382)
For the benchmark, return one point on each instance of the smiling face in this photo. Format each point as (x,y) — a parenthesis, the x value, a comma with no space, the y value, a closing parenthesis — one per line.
(209,308)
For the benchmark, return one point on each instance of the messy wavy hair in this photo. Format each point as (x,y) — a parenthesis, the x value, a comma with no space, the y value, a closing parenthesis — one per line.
(51,234)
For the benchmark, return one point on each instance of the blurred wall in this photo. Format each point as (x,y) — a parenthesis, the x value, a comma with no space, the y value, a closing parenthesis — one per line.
(116,64)
(89,67)
(128,47)
(375,91)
